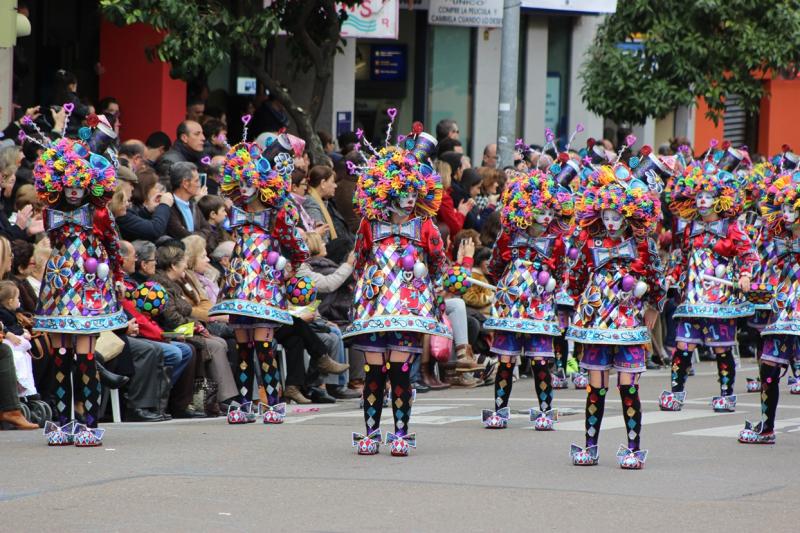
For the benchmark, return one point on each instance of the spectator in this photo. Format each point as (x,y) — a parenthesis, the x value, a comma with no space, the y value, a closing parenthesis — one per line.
(66,91)
(464,192)
(156,145)
(109,108)
(321,188)
(215,213)
(346,189)
(216,134)
(221,256)
(133,151)
(299,190)
(199,265)
(453,218)
(145,261)
(449,145)
(269,116)
(186,218)
(150,209)
(195,109)
(490,229)
(489,156)
(188,147)
(447,129)
(24,224)
(490,183)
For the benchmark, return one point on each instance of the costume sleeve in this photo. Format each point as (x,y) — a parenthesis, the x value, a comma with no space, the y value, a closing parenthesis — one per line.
(745,252)
(501,256)
(106,229)
(292,243)
(649,266)
(432,242)
(363,247)
(557,261)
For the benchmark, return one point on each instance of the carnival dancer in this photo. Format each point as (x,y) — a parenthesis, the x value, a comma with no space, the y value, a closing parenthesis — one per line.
(264,224)
(781,211)
(716,261)
(527,264)
(620,278)
(399,259)
(83,276)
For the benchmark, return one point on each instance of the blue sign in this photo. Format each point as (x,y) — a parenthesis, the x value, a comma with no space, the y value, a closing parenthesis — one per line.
(387,62)
(344,122)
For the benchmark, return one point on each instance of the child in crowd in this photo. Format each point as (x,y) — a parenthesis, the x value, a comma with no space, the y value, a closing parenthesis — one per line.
(16,338)
(215,212)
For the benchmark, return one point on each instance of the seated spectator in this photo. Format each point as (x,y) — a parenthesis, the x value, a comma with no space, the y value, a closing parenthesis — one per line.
(480,298)
(149,212)
(221,256)
(299,190)
(185,218)
(133,151)
(490,229)
(199,265)
(215,213)
(145,261)
(321,188)
(10,158)
(216,134)
(156,145)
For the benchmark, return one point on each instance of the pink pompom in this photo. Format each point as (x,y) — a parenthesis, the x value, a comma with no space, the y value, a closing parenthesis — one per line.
(543,277)
(272,258)
(709,271)
(90,265)
(573,253)
(628,282)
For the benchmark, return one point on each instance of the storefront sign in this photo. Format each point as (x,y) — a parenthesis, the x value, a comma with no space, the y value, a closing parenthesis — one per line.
(473,13)
(373,19)
(387,63)
(581,6)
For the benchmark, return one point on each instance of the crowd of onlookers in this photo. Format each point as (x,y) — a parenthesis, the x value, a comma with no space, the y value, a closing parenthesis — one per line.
(174,231)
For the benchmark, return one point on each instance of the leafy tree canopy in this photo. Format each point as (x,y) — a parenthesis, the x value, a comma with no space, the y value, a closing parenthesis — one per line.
(653,56)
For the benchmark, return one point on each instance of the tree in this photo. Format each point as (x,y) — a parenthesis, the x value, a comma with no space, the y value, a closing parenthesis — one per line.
(201,34)
(653,56)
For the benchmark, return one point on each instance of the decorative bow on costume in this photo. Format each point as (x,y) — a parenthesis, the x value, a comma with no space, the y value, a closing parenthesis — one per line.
(629,459)
(88,437)
(80,217)
(626,250)
(411,229)
(59,436)
(367,444)
(496,419)
(785,247)
(273,414)
(718,228)
(240,217)
(543,245)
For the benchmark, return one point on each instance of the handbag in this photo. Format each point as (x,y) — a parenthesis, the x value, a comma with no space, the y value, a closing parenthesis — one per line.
(204,399)
(109,345)
(442,347)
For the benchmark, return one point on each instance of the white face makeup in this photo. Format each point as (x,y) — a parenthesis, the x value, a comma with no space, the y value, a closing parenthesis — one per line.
(789,214)
(705,203)
(613,221)
(545,217)
(73,195)
(248,193)
(405,204)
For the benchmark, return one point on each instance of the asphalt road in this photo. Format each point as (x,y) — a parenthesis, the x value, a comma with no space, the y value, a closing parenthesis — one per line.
(305,476)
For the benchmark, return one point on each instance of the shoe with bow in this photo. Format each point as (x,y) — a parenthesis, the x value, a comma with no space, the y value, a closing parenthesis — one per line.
(755,434)
(584,456)
(753,385)
(496,419)
(60,435)
(399,444)
(671,401)
(88,437)
(367,444)
(543,421)
(724,404)
(273,414)
(629,459)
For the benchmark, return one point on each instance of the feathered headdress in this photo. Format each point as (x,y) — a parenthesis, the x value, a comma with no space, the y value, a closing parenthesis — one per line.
(393,171)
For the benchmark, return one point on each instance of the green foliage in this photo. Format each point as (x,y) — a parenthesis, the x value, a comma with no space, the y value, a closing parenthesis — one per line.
(708,48)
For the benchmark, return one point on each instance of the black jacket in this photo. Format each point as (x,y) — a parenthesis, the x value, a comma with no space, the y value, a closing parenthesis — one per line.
(139,223)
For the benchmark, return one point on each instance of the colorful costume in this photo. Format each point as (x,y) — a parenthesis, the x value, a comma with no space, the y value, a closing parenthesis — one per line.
(264,224)
(782,332)
(527,264)
(714,253)
(398,267)
(83,275)
(617,271)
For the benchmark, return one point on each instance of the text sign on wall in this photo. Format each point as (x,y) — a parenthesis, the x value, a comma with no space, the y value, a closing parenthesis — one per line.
(473,13)
(373,19)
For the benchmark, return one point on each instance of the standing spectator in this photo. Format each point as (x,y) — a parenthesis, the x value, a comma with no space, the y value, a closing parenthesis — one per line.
(449,145)
(109,108)
(188,146)
(450,216)
(186,218)
(346,189)
(133,151)
(216,134)
(195,109)
(490,183)
(447,129)
(489,156)
(464,192)
(66,91)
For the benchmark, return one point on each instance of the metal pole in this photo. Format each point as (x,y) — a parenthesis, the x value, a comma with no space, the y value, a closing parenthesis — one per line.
(507,106)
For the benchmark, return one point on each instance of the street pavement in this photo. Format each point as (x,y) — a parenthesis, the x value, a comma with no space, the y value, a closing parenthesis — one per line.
(204,475)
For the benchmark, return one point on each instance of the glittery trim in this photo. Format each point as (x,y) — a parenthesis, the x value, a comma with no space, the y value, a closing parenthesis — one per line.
(608,336)
(380,324)
(254,310)
(516,325)
(713,311)
(80,324)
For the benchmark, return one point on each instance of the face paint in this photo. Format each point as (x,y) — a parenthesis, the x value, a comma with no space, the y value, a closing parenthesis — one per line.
(705,203)
(789,214)
(73,195)
(248,193)
(545,217)
(405,204)
(613,221)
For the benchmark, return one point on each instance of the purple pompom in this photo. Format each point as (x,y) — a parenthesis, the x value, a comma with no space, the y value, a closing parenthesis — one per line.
(543,278)
(628,283)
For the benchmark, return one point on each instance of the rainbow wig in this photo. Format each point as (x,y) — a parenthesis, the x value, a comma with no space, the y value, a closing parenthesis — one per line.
(527,194)
(756,183)
(785,190)
(640,206)
(705,176)
(391,173)
(244,164)
(69,163)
